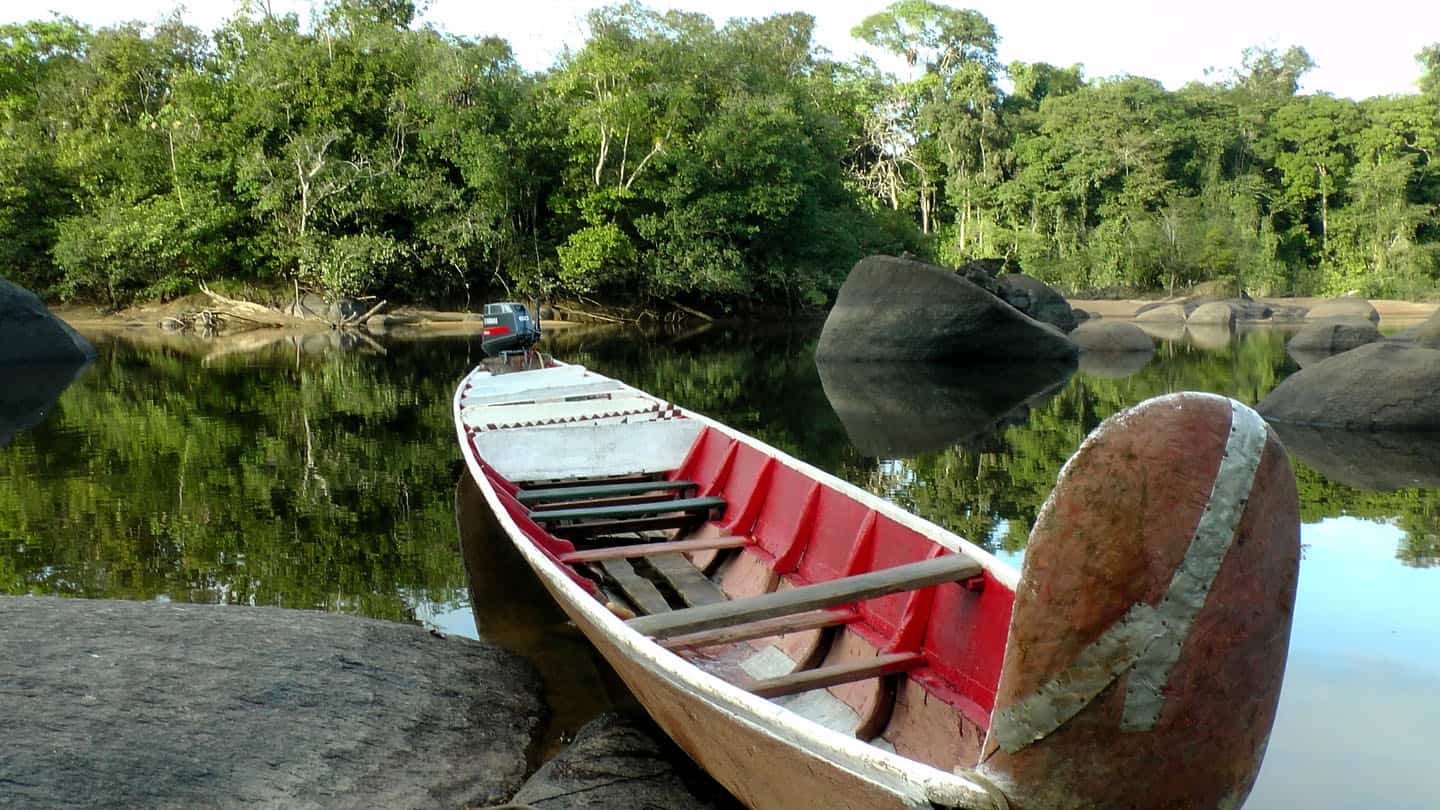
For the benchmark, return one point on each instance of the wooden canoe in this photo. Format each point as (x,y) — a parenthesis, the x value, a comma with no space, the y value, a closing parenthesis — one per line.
(813,645)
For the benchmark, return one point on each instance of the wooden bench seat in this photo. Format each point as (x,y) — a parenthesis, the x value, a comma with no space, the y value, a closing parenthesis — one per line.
(832,593)
(581,492)
(704,505)
(848,672)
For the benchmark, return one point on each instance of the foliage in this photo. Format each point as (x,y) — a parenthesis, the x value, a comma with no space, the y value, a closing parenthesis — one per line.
(668,157)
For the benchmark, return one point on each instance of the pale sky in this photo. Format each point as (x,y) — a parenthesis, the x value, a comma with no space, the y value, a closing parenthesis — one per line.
(1360,49)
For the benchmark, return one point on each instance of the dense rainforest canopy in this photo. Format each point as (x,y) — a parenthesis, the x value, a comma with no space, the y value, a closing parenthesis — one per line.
(671,158)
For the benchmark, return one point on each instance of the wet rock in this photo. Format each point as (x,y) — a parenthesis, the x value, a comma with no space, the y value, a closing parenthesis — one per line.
(144,704)
(900,309)
(1162,313)
(29,333)
(1214,314)
(617,761)
(1110,337)
(1038,300)
(1379,386)
(1333,336)
(1343,308)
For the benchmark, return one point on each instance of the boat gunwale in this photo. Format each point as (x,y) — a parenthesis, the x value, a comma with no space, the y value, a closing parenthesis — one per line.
(910,780)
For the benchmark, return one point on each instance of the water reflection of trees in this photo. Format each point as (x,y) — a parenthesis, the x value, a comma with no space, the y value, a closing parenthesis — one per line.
(319,484)
(990,489)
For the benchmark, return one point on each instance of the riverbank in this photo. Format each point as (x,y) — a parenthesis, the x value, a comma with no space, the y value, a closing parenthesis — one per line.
(1391,311)
(419,321)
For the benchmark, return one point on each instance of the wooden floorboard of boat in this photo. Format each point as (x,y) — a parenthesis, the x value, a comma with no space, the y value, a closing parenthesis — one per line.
(687,581)
(849,672)
(640,591)
(828,594)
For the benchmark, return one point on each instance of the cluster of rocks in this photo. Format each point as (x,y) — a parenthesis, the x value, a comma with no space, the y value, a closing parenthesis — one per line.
(1353,377)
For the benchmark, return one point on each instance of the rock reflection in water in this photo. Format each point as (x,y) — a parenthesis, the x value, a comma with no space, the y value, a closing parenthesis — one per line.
(1382,461)
(903,409)
(28,392)
(1114,365)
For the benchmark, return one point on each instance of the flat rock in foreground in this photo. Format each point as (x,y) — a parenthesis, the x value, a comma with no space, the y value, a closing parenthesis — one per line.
(144,704)
(901,309)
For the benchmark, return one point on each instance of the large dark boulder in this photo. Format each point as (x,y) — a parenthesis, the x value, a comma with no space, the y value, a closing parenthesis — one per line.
(156,705)
(1379,386)
(900,409)
(1038,300)
(1343,308)
(1333,336)
(900,309)
(29,333)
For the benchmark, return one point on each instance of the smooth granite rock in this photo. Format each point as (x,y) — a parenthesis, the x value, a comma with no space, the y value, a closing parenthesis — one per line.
(900,309)
(1162,313)
(1343,308)
(1379,386)
(29,333)
(1110,337)
(1041,301)
(1333,336)
(1213,313)
(109,704)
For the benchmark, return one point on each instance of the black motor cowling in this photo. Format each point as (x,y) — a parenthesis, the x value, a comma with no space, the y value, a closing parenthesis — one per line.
(508,328)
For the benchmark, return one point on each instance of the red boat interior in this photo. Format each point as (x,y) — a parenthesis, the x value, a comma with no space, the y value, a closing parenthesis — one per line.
(734,557)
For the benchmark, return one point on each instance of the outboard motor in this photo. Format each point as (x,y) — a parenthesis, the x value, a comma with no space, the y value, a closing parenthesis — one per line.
(508,328)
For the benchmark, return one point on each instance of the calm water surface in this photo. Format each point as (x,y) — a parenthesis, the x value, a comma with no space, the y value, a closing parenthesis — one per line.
(323,478)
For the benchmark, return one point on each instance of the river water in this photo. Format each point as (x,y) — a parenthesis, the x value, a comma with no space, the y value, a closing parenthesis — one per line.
(316,475)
